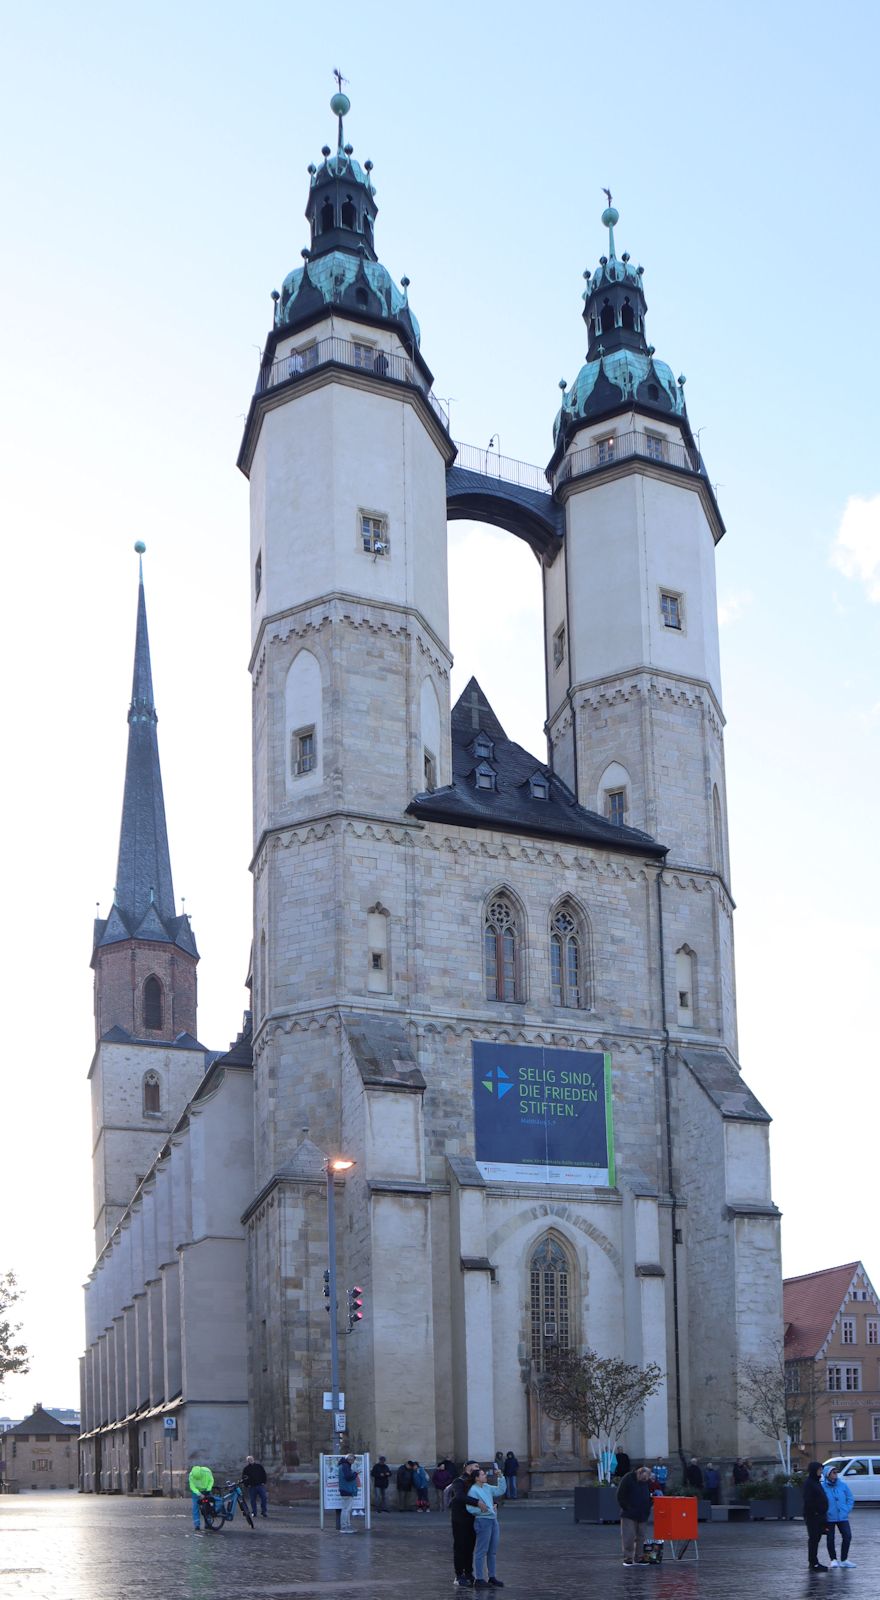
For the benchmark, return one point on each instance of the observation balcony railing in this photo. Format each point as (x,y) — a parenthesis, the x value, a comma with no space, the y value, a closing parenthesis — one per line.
(622,447)
(348,353)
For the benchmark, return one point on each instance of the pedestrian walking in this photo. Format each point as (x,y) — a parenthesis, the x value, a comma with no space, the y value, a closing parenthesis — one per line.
(253,1478)
(693,1475)
(481,1498)
(815,1514)
(634,1498)
(840,1503)
(511,1473)
(712,1480)
(404,1485)
(464,1531)
(201,1480)
(381,1476)
(420,1484)
(441,1478)
(349,1483)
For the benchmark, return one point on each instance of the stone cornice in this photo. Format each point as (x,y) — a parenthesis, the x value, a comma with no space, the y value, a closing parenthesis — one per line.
(358,611)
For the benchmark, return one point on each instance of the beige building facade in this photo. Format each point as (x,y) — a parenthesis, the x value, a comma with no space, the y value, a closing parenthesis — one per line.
(39,1453)
(832,1361)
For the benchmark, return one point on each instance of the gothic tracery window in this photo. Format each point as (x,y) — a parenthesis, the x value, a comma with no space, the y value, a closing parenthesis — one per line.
(152,1093)
(501,952)
(550,1300)
(569,958)
(153,1006)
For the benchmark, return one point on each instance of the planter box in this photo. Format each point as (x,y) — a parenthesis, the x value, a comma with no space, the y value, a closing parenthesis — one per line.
(596,1503)
(765,1510)
(792,1501)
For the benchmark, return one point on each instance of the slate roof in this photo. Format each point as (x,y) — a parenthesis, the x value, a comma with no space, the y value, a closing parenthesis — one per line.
(119,1035)
(511,807)
(143,901)
(810,1305)
(43,1424)
(718,1077)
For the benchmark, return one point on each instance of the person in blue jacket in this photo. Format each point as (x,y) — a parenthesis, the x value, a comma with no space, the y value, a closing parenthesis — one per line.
(840,1504)
(481,1499)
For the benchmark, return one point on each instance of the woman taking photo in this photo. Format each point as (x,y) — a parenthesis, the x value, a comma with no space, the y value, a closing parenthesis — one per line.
(481,1499)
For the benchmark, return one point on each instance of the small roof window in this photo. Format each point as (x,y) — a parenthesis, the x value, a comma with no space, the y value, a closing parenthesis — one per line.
(483,747)
(539,786)
(485,776)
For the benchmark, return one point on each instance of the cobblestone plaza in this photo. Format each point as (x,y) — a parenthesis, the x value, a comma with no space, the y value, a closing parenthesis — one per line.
(71,1547)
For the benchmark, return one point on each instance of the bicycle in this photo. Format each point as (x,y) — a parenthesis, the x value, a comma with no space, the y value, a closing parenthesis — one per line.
(219,1508)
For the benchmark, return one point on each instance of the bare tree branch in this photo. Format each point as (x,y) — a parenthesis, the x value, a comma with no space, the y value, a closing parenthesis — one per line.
(13,1357)
(599,1395)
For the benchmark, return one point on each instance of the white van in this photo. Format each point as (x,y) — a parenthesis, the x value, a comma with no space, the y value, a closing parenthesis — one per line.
(862,1473)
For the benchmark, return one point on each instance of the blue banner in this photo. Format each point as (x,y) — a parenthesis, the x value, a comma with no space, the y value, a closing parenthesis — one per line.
(543,1116)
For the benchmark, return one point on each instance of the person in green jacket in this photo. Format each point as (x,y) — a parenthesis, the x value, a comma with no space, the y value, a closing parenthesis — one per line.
(201,1479)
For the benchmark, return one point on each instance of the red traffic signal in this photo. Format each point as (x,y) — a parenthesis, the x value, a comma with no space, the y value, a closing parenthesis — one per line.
(355,1305)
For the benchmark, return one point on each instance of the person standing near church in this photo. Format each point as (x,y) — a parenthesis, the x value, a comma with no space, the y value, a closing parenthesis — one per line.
(464,1531)
(840,1504)
(511,1473)
(481,1498)
(815,1514)
(380,1473)
(404,1485)
(253,1477)
(635,1499)
(349,1482)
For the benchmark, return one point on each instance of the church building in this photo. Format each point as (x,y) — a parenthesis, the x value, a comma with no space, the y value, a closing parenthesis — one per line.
(500,984)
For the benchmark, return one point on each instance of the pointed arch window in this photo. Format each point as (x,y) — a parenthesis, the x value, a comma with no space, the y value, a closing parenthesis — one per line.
(153,1004)
(327,217)
(152,1094)
(550,1300)
(501,941)
(569,958)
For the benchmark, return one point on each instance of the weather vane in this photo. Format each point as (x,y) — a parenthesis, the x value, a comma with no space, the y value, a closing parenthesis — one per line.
(608,193)
(340,81)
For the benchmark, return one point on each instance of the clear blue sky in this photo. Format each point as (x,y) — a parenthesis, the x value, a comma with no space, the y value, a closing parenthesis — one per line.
(153,192)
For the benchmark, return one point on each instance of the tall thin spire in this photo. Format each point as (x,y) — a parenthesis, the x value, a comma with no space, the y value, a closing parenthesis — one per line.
(143,901)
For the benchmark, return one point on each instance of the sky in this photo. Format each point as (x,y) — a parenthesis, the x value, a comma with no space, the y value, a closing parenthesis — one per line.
(153,194)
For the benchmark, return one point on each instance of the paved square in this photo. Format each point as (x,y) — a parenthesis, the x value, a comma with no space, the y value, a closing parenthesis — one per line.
(80,1547)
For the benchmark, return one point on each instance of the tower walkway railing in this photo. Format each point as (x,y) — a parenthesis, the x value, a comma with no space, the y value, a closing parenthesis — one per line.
(492,465)
(622,447)
(348,353)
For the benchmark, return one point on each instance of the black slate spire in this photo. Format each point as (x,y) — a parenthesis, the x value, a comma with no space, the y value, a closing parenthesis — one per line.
(143,901)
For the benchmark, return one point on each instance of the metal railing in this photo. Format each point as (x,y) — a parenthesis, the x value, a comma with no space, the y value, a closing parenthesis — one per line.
(348,353)
(492,465)
(621,447)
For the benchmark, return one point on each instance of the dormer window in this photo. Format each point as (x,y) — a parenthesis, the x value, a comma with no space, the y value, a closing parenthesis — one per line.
(539,786)
(483,747)
(485,776)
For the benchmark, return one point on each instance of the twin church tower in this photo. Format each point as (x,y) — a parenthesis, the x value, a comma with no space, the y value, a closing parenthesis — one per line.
(501,984)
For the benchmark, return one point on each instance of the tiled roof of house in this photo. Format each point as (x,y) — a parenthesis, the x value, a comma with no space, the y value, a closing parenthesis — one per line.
(44,1425)
(810,1305)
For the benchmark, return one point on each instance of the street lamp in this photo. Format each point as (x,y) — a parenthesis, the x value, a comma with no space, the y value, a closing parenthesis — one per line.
(334,1165)
(840,1430)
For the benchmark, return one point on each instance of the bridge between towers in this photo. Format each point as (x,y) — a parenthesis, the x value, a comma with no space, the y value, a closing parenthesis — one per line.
(484,486)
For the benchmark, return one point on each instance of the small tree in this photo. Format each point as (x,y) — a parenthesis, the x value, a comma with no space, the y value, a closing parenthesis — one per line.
(776,1396)
(13,1357)
(600,1395)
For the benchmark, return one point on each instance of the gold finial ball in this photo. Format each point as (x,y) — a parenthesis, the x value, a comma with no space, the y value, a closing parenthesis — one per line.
(140,547)
(340,105)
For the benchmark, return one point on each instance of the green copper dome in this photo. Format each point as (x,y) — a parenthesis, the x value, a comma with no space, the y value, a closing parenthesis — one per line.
(616,377)
(346,281)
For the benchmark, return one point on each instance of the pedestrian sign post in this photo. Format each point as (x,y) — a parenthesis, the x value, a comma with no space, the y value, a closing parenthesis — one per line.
(331,1499)
(675,1521)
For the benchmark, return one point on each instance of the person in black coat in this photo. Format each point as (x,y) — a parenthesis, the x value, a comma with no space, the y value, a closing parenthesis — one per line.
(381,1476)
(464,1526)
(693,1475)
(635,1500)
(253,1477)
(404,1485)
(815,1514)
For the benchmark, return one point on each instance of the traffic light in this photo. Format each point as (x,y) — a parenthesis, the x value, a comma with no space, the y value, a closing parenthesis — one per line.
(355,1306)
(327,1289)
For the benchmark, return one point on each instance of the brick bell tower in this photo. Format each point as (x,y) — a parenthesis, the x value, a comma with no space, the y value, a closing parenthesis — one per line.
(147,1060)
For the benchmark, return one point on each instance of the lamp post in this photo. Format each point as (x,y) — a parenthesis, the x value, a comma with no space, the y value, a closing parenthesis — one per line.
(332,1166)
(840,1431)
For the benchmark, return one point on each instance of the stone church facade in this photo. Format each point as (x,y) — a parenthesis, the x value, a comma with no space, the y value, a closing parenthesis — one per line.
(424,888)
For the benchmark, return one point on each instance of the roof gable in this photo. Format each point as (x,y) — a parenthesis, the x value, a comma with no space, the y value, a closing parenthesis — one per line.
(813,1304)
